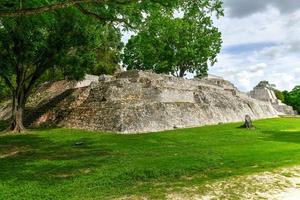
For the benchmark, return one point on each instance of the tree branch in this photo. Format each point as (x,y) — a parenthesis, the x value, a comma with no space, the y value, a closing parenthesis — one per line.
(43,9)
(101,18)
(55,6)
(91,14)
(40,69)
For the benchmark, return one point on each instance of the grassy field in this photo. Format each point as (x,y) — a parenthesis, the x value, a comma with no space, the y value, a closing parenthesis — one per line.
(76,164)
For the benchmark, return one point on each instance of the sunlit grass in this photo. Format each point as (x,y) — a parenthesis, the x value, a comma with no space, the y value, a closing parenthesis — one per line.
(291,130)
(76,164)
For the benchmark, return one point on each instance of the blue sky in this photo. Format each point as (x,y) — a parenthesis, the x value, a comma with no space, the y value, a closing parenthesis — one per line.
(247,47)
(261,41)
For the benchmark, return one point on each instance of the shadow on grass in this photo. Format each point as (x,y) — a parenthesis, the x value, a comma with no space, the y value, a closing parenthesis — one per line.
(34,158)
(283,136)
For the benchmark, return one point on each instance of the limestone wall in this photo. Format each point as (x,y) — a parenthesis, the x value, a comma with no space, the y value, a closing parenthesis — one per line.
(87,81)
(136,101)
(264,93)
(5,111)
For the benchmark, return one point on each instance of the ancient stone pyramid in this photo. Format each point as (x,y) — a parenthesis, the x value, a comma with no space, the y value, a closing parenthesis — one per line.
(137,102)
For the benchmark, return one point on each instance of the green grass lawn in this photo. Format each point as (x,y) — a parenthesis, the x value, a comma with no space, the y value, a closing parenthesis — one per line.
(47,164)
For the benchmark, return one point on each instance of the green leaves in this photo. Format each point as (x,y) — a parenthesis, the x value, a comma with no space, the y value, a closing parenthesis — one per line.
(64,40)
(129,13)
(71,38)
(175,45)
(293,98)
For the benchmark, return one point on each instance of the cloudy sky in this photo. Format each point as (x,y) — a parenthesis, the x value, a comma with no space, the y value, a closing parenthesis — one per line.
(261,42)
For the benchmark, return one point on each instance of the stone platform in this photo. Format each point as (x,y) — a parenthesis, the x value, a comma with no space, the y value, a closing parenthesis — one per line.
(137,102)
(264,92)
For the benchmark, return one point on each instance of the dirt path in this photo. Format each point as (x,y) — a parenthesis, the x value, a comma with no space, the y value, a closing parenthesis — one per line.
(282,184)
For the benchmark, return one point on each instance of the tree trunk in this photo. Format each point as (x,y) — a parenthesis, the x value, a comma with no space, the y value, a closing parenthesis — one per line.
(17,121)
(181,73)
(17,114)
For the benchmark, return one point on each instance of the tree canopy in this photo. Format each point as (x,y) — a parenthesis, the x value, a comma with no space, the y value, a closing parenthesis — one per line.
(29,46)
(108,52)
(128,12)
(174,45)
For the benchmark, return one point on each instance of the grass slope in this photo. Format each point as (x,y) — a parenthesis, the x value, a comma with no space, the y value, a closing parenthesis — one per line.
(47,164)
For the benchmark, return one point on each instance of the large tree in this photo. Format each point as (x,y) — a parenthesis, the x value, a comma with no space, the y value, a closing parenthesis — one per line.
(108,53)
(105,57)
(29,46)
(174,45)
(39,35)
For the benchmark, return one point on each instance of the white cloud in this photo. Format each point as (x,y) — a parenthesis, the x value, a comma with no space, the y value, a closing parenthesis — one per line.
(243,8)
(278,63)
(257,22)
(257,68)
(256,28)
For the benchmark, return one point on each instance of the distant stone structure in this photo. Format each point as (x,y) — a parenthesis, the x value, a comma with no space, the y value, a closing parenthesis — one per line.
(248,123)
(264,92)
(137,102)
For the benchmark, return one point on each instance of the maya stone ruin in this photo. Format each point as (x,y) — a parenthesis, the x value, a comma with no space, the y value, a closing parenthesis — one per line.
(137,102)
(264,92)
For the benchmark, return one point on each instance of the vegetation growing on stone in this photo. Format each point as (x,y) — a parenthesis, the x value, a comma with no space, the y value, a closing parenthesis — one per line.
(292,98)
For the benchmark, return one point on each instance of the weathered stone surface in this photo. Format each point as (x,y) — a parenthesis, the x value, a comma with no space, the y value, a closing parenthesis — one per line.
(144,102)
(88,80)
(264,92)
(5,111)
(248,122)
(136,102)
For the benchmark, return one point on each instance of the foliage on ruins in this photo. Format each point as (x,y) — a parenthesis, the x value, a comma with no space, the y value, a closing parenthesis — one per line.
(279,94)
(292,98)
